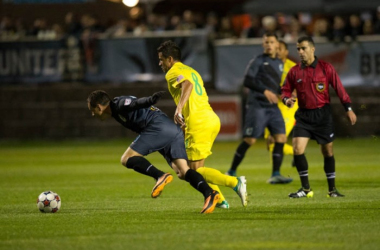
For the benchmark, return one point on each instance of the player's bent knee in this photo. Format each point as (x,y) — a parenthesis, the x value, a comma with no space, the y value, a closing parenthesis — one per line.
(129,162)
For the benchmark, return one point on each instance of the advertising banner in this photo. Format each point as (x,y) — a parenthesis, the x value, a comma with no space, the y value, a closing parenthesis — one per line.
(228,108)
(357,63)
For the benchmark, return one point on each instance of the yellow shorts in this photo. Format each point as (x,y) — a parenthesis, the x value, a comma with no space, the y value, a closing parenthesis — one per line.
(200,135)
(288,115)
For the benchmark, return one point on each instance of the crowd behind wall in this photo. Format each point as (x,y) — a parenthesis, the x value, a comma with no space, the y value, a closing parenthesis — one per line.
(337,28)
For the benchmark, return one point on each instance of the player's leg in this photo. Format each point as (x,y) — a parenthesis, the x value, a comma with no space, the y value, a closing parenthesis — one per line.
(198,148)
(197,181)
(133,160)
(199,167)
(253,128)
(213,176)
(289,119)
(299,146)
(276,126)
(329,167)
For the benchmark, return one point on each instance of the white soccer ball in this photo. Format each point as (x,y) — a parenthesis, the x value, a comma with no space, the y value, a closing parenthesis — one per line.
(49,202)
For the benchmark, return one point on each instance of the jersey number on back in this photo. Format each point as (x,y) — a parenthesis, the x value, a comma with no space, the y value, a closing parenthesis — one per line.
(198,87)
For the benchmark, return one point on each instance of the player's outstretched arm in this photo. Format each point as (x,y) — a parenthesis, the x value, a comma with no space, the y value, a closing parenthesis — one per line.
(146,102)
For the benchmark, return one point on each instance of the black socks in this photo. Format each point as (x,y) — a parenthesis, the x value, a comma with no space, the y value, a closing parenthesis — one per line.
(303,170)
(197,181)
(239,155)
(143,166)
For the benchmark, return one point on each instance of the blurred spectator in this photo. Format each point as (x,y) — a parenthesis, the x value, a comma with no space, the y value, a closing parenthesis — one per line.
(269,24)
(7,28)
(377,22)
(20,28)
(225,30)
(368,28)
(121,28)
(338,30)
(254,28)
(174,23)
(321,28)
(57,31)
(199,20)
(211,26)
(355,26)
(294,32)
(187,21)
(72,25)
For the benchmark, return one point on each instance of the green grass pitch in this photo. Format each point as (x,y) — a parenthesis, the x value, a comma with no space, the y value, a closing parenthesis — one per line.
(106,206)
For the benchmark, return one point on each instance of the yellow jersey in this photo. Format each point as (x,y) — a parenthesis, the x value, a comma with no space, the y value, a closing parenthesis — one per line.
(202,123)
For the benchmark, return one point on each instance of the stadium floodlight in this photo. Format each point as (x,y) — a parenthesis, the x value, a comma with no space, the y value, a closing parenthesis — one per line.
(131,3)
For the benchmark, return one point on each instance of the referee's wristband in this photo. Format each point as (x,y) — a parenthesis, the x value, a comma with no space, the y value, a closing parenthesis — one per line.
(347,106)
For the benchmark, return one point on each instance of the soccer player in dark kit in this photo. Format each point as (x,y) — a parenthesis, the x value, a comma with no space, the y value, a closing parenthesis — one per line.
(263,78)
(311,78)
(156,133)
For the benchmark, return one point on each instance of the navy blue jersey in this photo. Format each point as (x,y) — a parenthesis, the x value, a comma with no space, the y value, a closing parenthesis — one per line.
(263,72)
(136,119)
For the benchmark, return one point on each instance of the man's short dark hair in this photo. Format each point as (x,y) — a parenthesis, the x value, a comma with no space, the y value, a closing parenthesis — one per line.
(170,48)
(306,39)
(269,33)
(284,43)
(98,97)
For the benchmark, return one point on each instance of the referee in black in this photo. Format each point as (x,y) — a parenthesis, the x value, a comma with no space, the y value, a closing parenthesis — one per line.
(156,133)
(311,78)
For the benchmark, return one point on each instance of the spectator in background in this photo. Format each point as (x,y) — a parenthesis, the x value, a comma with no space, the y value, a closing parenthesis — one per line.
(295,30)
(174,23)
(211,26)
(187,21)
(321,28)
(56,32)
(254,28)
(20,28)
(71,24)
(7,28)
(355,26)
(338,30)
(225,30)
(377,22)
(121,28)
(368,28)
(269,25)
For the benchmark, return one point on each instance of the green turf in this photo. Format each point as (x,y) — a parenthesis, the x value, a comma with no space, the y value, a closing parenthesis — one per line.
(105,206)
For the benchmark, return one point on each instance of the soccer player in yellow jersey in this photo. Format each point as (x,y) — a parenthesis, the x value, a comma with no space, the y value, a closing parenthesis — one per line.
(287,113)
(200,123)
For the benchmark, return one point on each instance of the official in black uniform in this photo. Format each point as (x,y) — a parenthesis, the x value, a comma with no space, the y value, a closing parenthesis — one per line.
(156,133)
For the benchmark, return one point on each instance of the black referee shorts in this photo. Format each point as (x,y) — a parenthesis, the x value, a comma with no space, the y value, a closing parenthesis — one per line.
(316,124)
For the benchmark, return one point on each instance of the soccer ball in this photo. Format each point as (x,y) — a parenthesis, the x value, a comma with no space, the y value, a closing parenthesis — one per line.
(49,202)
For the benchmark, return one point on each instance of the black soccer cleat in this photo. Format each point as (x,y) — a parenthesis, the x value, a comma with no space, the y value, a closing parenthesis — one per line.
(334,193)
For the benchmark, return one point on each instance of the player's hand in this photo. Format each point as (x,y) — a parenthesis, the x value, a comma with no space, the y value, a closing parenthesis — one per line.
(272,97)
(290,102)
(351,117)
(156,96)
(178,119)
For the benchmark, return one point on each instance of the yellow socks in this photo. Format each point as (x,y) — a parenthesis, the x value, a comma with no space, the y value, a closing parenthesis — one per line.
(216,177)
(288,149)
(216,188)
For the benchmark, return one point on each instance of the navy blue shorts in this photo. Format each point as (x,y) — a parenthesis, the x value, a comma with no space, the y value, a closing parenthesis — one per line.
(316,124)
(258,118)
(164,136)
